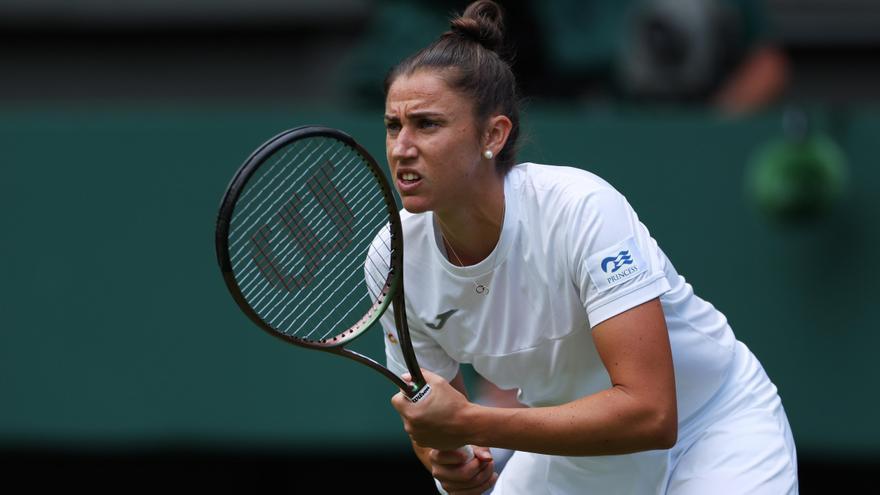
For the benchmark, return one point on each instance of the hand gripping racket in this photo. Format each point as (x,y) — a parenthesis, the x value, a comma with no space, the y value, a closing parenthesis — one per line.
(306,220)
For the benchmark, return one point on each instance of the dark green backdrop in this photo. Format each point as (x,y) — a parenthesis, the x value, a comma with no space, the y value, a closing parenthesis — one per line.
(117,328)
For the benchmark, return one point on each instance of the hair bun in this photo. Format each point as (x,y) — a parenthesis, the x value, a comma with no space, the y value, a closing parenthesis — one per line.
(481,22)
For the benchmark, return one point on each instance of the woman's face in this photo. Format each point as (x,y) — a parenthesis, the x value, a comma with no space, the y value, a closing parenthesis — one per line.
(432,144)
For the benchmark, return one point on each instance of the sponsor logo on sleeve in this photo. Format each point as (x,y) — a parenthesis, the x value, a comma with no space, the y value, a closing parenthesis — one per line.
(616,265)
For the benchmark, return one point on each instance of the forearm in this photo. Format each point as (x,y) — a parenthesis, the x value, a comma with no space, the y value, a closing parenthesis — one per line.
(637,412)
(607,423)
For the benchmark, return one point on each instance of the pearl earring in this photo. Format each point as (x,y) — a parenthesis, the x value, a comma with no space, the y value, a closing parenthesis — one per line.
(488,154)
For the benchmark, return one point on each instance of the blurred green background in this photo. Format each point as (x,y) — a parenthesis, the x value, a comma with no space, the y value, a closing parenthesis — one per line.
(120,128)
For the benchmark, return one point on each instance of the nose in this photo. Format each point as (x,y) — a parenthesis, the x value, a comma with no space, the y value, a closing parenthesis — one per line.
(403,147)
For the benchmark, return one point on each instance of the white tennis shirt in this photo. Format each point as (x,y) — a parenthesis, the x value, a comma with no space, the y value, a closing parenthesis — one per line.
(572,253)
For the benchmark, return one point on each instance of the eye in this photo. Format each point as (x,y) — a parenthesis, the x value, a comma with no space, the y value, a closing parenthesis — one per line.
(428,124)
(392,127)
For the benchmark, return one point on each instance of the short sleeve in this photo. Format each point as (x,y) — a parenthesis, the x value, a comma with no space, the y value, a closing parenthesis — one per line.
(394,360)
(429,353)
(615,263)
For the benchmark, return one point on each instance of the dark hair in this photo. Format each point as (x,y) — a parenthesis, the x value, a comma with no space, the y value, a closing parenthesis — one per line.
(471,55)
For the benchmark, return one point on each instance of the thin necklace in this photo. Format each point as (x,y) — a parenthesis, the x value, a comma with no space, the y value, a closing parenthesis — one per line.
(478,287)
(460,263)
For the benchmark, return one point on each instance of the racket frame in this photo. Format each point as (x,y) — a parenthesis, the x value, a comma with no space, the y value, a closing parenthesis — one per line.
(391,293)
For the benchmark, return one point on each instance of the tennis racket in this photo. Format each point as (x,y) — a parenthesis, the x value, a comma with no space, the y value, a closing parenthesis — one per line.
(310,245)
(307,217)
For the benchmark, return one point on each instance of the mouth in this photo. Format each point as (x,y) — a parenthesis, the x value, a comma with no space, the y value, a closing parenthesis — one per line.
(407,181)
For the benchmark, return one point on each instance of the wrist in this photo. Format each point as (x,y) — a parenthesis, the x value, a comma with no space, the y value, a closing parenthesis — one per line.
(473,419)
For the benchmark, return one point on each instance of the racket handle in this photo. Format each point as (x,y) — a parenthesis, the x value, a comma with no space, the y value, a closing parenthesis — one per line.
(418,393)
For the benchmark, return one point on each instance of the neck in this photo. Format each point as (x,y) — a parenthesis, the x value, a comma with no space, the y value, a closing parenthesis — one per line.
(472,231)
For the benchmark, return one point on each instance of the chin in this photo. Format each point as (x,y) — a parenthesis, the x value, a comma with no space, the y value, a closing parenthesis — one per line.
(413,205)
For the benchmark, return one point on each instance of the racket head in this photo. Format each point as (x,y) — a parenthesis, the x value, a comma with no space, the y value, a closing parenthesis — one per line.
(296,226)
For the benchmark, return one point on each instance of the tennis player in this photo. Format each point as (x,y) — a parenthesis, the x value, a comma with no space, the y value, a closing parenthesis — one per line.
(546,282)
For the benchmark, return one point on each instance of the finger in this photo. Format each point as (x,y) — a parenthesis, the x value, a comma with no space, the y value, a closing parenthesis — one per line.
(485,486)
(482,453)
(482,481)
(461,474)
(472,475)
(464,475)
(451,457)
(475,491)
(486,472)
(398,401)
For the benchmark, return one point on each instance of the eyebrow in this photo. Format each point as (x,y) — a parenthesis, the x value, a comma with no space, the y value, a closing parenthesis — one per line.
(417,114)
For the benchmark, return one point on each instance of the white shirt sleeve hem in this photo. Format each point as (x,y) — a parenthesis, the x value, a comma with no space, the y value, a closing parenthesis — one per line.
(629,300)
(448,373)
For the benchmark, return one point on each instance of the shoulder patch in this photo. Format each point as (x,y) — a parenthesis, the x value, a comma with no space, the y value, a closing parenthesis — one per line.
(616,264)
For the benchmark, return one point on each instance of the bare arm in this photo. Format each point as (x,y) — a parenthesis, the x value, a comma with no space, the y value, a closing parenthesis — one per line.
(638,412)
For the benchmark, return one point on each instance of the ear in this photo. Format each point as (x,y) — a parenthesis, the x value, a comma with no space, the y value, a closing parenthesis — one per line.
(497,131)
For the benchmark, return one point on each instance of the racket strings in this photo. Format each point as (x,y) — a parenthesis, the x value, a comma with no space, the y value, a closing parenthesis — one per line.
(378,263)
(329,291)
(256,193)
(279,306)
(260,306)
(260,194)
(307,230)
(371,267)
(288,252)
(251,281)
(264,212)
(309,210)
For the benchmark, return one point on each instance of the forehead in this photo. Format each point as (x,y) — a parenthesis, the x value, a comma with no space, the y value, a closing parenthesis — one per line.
(422,90)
